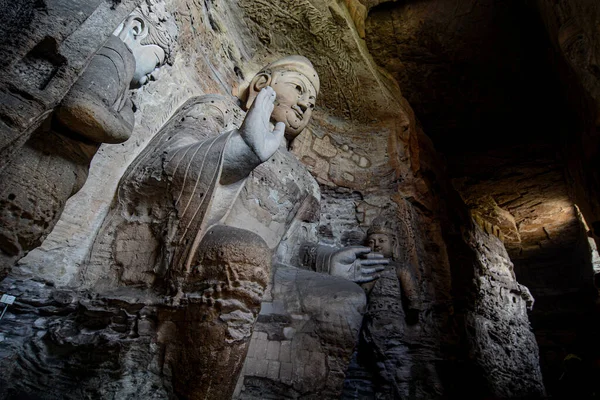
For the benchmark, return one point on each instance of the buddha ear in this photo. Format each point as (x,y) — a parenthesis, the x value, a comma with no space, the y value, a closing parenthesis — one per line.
(139,28)
(259,82)
(133,29)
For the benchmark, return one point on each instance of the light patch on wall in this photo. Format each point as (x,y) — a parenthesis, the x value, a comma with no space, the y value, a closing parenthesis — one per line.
(593,249)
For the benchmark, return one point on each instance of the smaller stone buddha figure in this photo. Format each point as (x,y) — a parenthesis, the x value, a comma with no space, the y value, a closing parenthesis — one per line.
(393,309)
(382,239)
(53,165)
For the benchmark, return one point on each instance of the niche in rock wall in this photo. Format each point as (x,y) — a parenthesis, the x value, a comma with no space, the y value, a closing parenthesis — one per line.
(41,64)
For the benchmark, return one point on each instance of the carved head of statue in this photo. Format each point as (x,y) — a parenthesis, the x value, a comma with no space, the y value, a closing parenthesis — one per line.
(381,238)
(150,41)
(296,84)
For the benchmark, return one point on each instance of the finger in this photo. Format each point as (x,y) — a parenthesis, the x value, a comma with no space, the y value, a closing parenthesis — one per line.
(264,92)
(373,255)
(366,279)
(278,131)
(270,100)
(383,261)
(359,249)
(271,93)
(369,271)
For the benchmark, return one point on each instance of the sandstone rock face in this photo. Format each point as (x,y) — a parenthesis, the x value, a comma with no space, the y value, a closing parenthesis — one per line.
(526,198)
(525,180)
(527,202)
(105,327)
(573,31)
(460,67)
(498,323)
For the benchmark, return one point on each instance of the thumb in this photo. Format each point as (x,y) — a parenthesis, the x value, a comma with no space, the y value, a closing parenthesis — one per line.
(279,130)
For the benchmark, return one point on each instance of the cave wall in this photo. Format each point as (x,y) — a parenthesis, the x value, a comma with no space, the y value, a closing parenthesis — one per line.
(513,109)
(370,157)
(572,28)
(527,204)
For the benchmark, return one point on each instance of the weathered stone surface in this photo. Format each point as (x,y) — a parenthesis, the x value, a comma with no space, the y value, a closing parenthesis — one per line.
(526,198)
(468,86)
(528,202)
(461,65)
(497,325)
(367,153)
(75,344)
(303,338)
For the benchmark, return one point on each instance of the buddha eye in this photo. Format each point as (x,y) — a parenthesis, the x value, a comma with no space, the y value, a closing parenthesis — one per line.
(299,89)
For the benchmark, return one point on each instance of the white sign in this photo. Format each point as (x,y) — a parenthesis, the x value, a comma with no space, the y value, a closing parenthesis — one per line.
(7,299)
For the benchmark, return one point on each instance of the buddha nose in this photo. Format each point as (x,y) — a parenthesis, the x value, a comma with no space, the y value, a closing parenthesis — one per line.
(303,103)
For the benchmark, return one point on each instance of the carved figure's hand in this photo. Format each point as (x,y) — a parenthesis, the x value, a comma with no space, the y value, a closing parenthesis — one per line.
(256,130)
(357,263)
(126,111)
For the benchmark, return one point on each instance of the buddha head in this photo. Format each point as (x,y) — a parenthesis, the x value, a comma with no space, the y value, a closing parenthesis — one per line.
(296,84)
(150,42)
(381,238)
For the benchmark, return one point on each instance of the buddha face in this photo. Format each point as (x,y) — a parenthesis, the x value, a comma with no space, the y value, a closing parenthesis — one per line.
(380,243)
(148,57)
(295,99)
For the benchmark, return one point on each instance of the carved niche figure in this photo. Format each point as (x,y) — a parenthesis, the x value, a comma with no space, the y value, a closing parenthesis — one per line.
(394,308)
(201,216)
(53,164)
(381,238)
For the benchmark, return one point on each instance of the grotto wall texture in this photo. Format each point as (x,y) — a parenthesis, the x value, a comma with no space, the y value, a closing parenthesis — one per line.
(507,92)
(78,329)
(573,32)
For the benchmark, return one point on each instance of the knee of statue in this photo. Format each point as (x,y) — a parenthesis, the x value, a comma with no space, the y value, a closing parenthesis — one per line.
(232,269)
(324,297)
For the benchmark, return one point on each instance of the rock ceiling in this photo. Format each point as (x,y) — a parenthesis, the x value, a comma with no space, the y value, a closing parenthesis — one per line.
(478,76)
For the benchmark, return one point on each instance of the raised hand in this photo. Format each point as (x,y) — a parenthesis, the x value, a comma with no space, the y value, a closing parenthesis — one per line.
(357,263)
(256,130)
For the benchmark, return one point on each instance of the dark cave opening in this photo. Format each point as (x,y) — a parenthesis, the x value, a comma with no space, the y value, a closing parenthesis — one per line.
(497,101)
